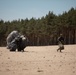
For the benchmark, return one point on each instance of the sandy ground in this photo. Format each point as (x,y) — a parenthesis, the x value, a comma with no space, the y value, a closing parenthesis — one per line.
(42,60)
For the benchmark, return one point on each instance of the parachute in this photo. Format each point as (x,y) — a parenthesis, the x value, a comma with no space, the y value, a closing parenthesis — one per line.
(16,41)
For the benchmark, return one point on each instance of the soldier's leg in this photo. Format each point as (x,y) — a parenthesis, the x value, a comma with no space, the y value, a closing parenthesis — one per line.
(58,49)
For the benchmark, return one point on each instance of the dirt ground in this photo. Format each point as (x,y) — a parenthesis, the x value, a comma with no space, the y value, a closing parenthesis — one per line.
(41,60)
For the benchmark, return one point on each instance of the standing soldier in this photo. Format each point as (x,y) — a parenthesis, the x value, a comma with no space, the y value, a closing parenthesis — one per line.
(61,42)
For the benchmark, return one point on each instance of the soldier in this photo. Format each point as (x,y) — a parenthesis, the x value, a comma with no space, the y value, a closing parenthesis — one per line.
(22,43)
(61,42)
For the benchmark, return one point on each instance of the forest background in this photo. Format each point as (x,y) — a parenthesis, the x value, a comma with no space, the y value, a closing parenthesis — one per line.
(44,30)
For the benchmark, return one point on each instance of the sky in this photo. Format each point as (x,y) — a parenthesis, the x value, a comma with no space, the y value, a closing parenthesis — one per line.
(22,9)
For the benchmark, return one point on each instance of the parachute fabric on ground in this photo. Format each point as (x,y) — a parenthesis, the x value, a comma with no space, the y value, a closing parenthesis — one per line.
(11,37)
(13,45)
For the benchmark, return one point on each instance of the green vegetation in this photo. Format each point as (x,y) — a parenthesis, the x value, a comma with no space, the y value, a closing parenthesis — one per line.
(43,31)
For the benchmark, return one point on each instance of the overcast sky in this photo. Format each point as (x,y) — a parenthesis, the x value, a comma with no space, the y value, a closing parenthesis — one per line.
(22,9)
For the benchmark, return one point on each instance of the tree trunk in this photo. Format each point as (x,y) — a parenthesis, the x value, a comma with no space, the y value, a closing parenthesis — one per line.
(38,41)
(75,36)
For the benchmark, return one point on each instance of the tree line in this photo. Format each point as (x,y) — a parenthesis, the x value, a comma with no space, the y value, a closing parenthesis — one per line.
(44,30)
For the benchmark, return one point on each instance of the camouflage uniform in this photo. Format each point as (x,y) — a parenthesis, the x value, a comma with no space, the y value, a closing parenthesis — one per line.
(60,43)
